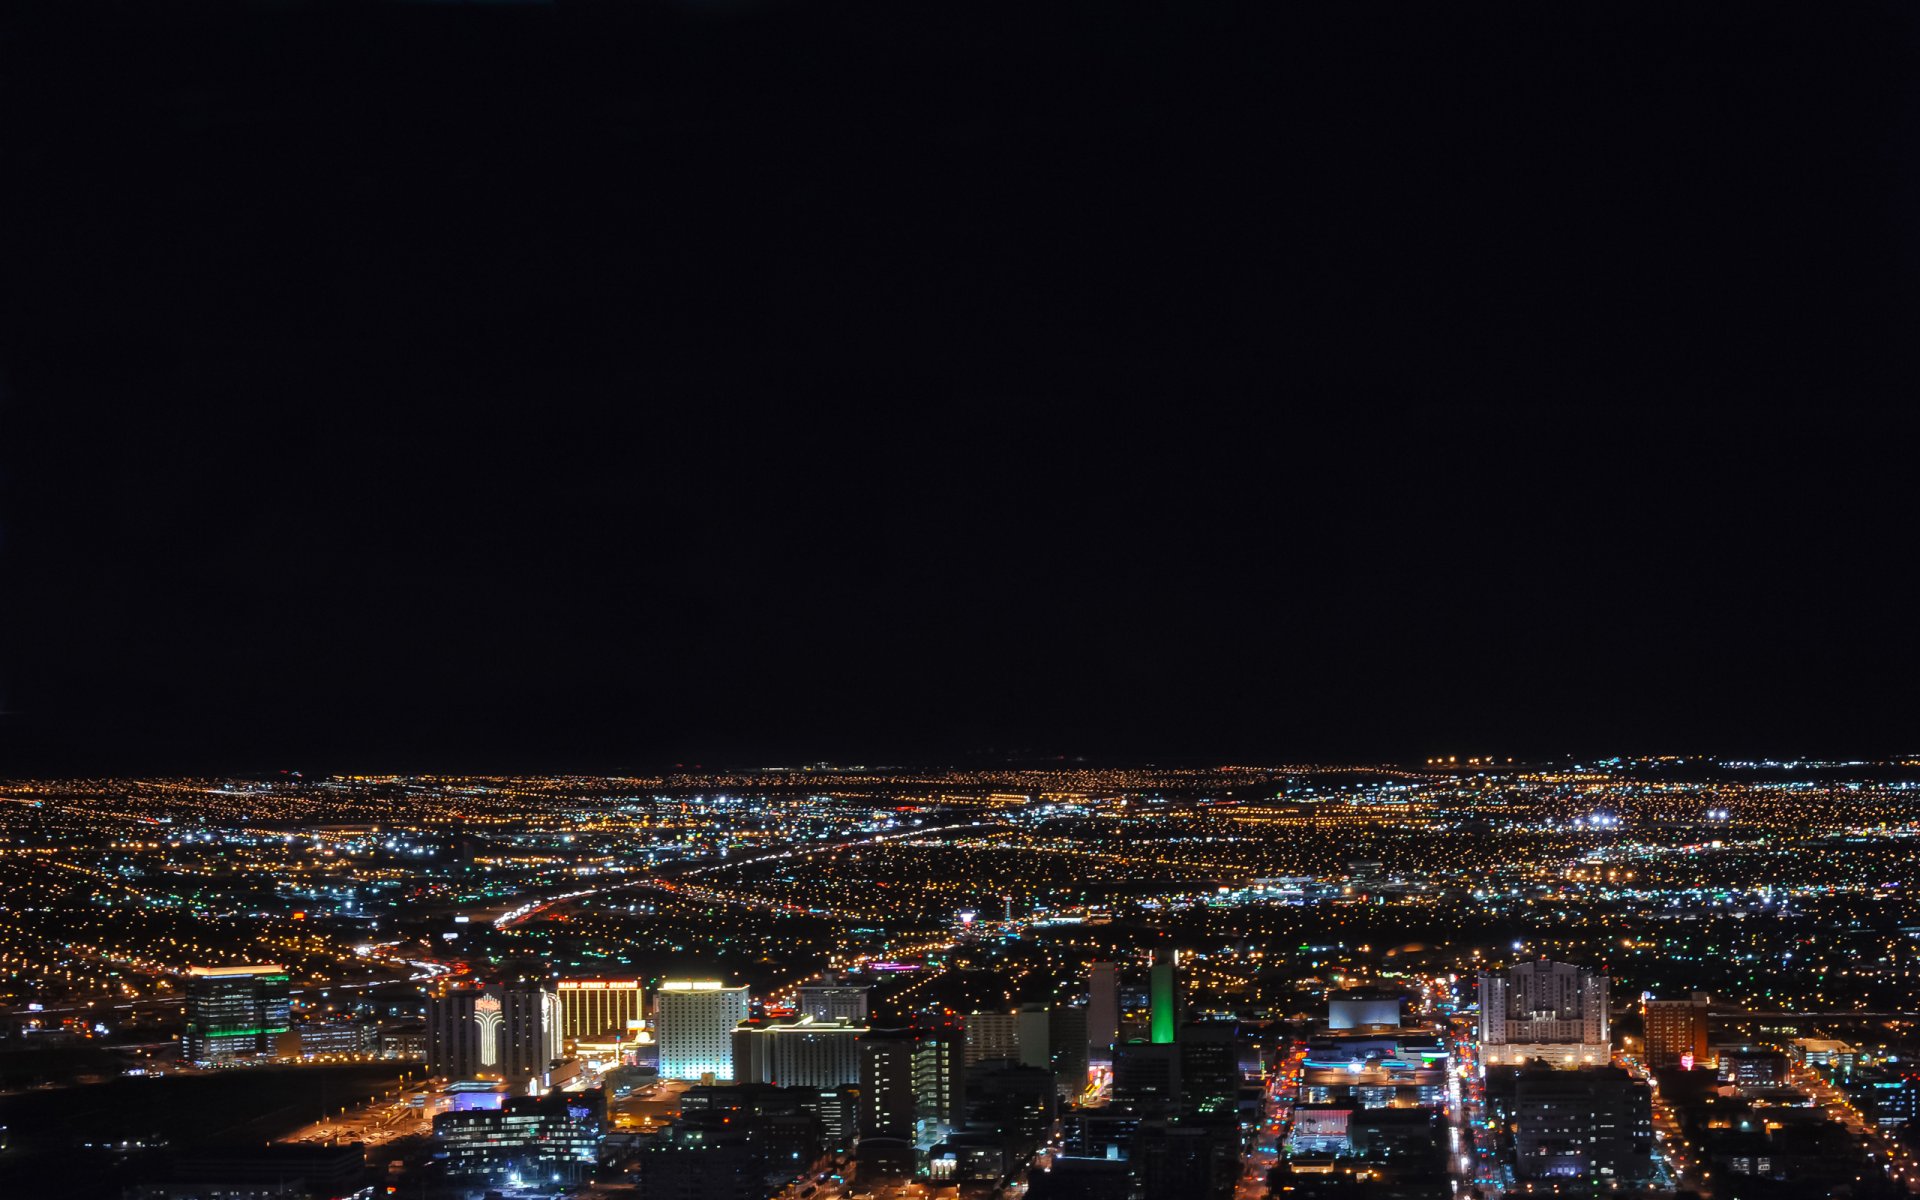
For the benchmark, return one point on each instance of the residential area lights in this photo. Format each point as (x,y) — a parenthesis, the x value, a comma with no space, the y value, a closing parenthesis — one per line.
(1785,898)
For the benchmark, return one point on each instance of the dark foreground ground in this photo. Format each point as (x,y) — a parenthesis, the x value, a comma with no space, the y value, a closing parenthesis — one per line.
(88,1142)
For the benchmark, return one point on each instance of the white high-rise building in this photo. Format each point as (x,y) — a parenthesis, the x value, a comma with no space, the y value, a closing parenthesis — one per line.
(798,1053)
(693,1024)
(1544,1010)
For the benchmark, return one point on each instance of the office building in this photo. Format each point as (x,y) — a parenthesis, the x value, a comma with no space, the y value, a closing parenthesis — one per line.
(1099,1133)
(1103,1011)
(1013,1101)
(693,1024)
(1545,1010)
(1401,1137)
(1146,1077)
(1677,1033)
(1754,1067)
(910,1086)
(508,1031)
(1034,1032)
(235,1012)
(732,1143)
(406,1040)
(1209,1069)
(799,1053)
(702,1165)
(545,1137)
(1186,1162)
(1025,1036)
(840,1116)
(1885,1095)
(833,1001)
(1582,1123)
(334,1039)
(1073,1178)
(1824,1053)
(1067,1048)
(992,1037)
(599,1009)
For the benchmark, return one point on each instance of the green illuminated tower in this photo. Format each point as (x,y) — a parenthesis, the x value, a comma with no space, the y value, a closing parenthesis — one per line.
(1162,1021)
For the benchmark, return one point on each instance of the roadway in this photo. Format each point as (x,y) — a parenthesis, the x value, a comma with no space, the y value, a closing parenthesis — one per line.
(1276,1109)
(1890,1155)
(667,877)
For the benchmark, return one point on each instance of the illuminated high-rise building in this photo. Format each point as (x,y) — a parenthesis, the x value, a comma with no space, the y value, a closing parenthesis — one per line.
(592,1008)
(1544,1010)
(1677,1033)
(556,1135)
(798,1053)
(235,1012)
(693,1024)
(910,1085)
(509,1031)
(1162,999)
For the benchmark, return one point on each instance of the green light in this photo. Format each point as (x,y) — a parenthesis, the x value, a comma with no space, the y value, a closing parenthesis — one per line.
(1160,993)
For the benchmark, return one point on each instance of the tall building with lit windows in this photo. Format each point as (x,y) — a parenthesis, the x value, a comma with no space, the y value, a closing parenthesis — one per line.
(910,1085)
(235,1012)
(1544,1010)
(1677,1033)
(693,1024)
(592,1008)
(509,1031)
(799,1053)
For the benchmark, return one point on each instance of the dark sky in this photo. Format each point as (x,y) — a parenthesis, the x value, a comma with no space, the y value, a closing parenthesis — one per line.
(600,386)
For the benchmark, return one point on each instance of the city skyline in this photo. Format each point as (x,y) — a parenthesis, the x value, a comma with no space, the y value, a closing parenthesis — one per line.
(1669,978)
(831,600)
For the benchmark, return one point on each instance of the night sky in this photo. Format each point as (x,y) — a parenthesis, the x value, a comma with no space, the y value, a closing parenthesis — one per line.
(608,386)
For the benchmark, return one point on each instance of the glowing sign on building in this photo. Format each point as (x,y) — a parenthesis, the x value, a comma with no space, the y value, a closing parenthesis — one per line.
(487,1015)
